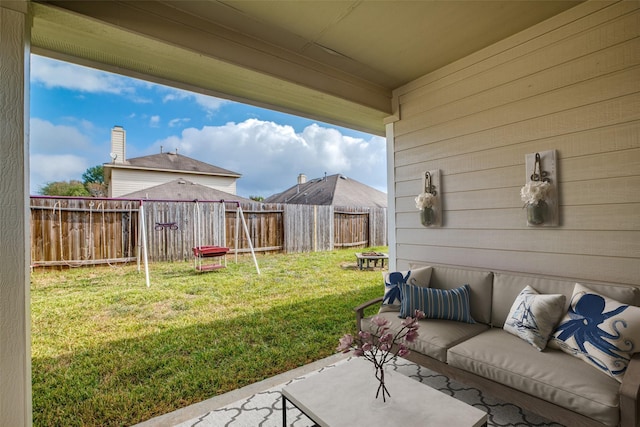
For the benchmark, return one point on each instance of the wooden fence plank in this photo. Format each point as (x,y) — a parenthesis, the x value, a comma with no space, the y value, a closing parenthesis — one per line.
(70,231)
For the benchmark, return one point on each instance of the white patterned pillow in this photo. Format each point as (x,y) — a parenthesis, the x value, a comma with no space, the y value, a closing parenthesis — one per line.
(533,316)
(392,280)
(599,330)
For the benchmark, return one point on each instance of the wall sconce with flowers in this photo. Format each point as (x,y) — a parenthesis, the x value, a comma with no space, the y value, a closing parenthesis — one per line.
(539,194)
(428,201)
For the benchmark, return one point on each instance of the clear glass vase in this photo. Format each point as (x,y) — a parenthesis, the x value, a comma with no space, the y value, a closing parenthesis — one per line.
(427,216)
(536,212)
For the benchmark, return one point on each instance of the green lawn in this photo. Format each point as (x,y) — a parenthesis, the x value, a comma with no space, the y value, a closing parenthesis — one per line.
(108,351)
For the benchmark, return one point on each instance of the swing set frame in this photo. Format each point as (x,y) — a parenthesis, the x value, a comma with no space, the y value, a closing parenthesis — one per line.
(142,253)
(199,250)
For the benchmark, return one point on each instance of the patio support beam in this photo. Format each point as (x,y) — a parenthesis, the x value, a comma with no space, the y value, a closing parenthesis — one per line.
(391,195)
(153,41)
(15,354)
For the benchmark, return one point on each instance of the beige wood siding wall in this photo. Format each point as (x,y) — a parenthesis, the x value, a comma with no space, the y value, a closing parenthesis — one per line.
(570,84)
(125,181)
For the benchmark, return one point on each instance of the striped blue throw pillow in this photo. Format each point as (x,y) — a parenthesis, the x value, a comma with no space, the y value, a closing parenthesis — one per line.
(452,304)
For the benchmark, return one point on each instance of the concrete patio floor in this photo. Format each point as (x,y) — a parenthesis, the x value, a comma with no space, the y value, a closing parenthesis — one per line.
(176,417)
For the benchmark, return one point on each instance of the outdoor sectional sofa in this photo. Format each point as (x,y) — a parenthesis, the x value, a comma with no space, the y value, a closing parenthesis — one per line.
(551,382)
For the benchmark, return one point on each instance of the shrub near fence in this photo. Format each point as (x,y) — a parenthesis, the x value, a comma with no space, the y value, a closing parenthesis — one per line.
(83,231)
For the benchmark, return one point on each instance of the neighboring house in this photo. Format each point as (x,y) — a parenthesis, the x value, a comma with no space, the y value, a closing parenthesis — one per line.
(337,190)
(125,176)
(181,189)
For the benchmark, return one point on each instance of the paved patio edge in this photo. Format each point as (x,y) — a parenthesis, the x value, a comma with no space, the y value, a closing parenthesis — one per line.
(192,411)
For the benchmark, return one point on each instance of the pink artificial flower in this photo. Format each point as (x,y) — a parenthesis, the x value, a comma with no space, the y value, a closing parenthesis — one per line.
(420,315)
(409,322)
(364,335)
(386,338)
(384,347)
(345,343)
(358,352)
(379,321)
(403,351)
(411,335)
(367,346)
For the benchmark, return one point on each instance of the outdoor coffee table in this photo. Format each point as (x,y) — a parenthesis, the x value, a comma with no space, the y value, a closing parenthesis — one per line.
(367,257)
(345,396)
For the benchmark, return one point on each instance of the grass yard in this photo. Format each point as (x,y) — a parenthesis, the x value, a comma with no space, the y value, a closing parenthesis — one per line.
(107,351)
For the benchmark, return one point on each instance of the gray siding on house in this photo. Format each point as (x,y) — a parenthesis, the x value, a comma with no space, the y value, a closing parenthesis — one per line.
(571,84)
(125,181)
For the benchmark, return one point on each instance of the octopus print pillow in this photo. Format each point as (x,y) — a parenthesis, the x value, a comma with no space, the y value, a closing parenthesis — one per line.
(392,298)
(533,316)
(599,330)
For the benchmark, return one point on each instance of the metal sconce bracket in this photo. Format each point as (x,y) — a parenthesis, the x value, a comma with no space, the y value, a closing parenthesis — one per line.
(542,166)
(431,184)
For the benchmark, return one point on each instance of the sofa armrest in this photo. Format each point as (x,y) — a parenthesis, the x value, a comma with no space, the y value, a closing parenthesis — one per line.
(360,311)
(629,393)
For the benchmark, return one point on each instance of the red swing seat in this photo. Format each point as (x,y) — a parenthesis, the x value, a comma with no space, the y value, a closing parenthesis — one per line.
(209,252)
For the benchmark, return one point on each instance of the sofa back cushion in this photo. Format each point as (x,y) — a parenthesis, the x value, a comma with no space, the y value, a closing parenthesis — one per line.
(506,288)
(480,285)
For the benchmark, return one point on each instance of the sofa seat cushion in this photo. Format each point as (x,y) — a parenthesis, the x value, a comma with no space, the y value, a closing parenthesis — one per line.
(435,336)
(551,375)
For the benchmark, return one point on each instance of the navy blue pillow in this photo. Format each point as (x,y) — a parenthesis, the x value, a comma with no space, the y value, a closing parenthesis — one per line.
(451,304)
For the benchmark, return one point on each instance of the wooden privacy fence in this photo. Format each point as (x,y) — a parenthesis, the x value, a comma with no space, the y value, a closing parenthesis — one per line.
(75,232)
(84,231)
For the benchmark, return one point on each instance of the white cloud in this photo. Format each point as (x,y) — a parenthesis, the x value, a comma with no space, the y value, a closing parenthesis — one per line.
(154,121)
(61,152)
(52,73)
(46,137)
(209,104)
(178,122)
(63,167)
(270,156)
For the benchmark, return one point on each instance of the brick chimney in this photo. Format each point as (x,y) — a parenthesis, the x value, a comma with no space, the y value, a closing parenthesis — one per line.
(118,144)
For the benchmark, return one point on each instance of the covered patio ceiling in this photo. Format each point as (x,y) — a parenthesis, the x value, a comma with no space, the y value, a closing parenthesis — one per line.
(333,61)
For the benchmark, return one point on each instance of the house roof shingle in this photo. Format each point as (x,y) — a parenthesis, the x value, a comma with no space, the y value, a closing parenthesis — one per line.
(174,162)
(181,189)
(337,190)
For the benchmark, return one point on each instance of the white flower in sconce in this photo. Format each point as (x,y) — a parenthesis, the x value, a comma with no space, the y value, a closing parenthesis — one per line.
(534,192)
(425,200)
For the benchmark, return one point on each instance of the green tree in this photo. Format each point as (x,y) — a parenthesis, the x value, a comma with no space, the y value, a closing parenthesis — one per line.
(93,179)
(257,198)
(93,174)
(92,185)
(72,188)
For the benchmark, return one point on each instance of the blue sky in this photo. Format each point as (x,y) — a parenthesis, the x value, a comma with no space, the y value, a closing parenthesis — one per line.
(73,109)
